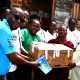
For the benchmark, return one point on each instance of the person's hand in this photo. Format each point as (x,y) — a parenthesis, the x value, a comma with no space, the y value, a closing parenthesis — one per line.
(31,55)
(35,65)
(29,59)
(28,55)
(71,65)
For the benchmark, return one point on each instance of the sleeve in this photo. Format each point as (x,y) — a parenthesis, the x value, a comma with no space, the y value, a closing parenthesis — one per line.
(22,37)
(78,38)
(69,44)
(78,64)
(39,39)
(6,42)
(51,41)
(23,31)
(76,58)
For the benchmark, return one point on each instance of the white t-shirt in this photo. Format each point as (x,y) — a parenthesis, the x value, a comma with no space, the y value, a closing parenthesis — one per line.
(17,43)
(74,74)
(49,36)
(45,35)
(17,39)
(41,34)
(74,37)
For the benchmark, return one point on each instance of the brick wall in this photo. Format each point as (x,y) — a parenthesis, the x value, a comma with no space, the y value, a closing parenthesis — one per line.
(16,3)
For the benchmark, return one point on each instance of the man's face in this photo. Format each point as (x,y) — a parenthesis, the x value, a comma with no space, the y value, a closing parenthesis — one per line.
(72,25)
(62,31)
(14,21)
(19,21)
(52,27)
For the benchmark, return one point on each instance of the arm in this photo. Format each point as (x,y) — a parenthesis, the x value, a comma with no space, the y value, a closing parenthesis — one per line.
(52,41)
(26,57)
(71,65)
(23,37)
(76,60)
(17,59)
(24,52)
(7,45)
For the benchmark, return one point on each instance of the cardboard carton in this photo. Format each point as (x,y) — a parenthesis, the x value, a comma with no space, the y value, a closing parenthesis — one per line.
(57,55)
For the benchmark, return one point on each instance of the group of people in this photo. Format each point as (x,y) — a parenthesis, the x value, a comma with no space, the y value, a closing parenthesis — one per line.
(69,36)
(11,59)
(18,29)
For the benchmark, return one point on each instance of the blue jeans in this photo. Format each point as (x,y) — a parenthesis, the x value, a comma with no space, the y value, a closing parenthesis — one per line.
(2,77)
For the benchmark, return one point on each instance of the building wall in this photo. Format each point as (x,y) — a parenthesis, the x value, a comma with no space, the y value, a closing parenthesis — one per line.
(76,10)
(16,3)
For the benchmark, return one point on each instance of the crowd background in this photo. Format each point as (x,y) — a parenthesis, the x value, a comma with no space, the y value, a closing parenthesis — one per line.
(18,29)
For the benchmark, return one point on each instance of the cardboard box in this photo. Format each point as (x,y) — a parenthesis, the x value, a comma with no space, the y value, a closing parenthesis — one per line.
(57,55)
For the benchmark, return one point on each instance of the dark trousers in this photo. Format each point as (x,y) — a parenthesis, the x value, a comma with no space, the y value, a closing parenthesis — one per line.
(11,76)
(2,77)
(55,74)
(23,73)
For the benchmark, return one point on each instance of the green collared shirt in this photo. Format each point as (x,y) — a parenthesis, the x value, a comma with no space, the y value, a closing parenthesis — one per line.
(27,38)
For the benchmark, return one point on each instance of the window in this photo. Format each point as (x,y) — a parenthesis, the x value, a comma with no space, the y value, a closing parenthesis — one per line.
(62,10)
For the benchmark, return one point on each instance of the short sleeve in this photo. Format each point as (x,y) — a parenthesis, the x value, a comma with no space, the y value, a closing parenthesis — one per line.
(6,41)
(76,58)
(39,39)
(24,34)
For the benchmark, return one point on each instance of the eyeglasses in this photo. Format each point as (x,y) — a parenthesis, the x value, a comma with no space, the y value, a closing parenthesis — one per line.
(17,17)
